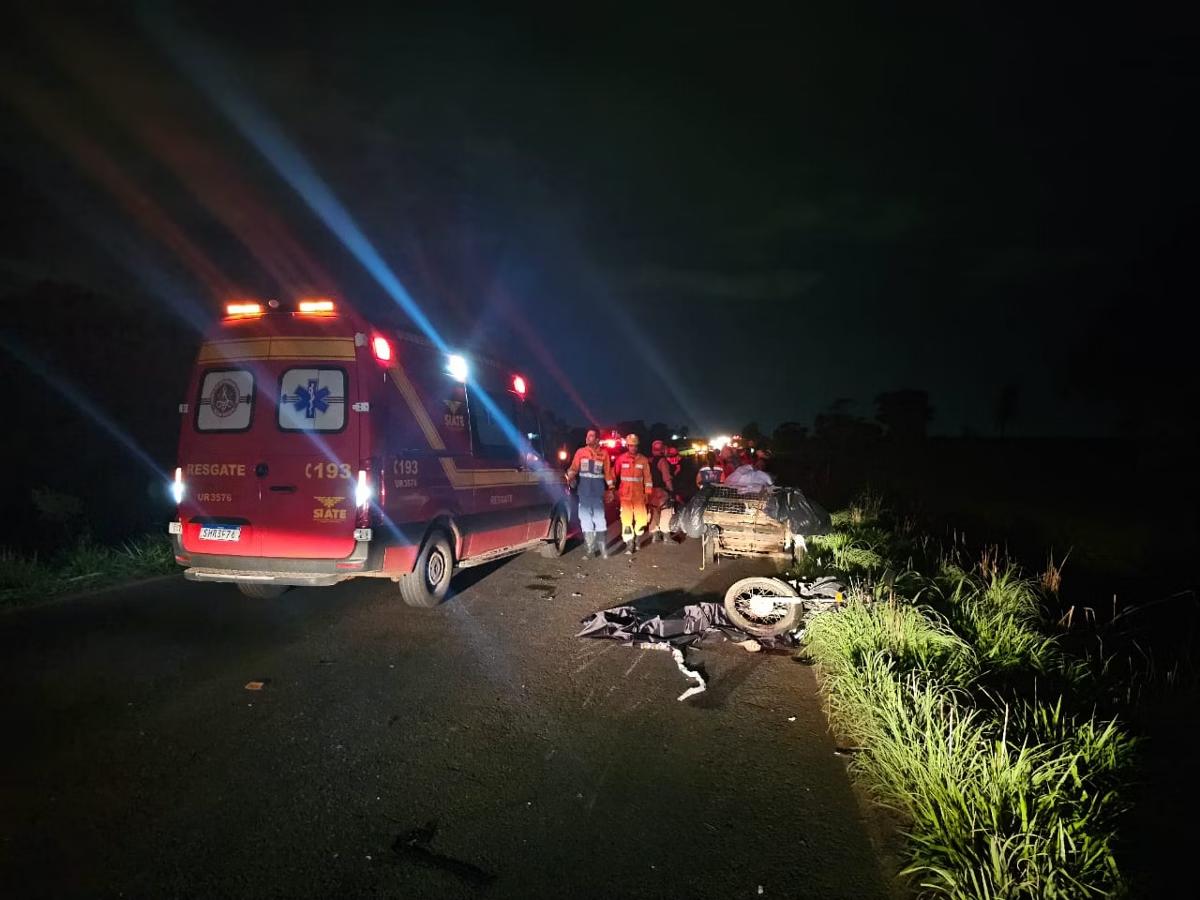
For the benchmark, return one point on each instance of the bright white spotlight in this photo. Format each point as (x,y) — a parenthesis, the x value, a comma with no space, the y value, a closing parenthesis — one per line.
(362,490)
(457,367)
(177,486)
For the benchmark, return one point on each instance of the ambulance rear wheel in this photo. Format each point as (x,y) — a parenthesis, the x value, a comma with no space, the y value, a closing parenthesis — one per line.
(262,591)
(429,582)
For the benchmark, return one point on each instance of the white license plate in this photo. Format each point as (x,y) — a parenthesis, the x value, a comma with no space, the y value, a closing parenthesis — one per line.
(216,533)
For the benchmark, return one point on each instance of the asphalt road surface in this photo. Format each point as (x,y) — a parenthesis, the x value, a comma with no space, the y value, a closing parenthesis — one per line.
(475,750)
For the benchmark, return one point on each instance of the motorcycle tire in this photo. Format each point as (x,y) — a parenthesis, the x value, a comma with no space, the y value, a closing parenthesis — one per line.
(749,607)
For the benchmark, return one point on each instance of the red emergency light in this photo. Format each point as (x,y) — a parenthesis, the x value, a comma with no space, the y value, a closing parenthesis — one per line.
(317,307)
(382,348)
(518,386)
(242,309)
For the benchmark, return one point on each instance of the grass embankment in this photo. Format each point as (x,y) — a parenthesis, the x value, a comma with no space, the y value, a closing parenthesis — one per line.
(28,579)
(996,744)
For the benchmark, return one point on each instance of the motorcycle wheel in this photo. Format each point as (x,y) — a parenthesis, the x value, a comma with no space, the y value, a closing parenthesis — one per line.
(752,606)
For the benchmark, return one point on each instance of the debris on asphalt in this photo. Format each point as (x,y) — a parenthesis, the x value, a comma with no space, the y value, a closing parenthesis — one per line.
(685,625)
(750,646)
(415,847)
(675,631)
(677,654)
(791,718)
(700,687)
(256,685)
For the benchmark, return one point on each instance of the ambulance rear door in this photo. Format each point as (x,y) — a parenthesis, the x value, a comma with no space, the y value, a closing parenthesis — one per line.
(310,440)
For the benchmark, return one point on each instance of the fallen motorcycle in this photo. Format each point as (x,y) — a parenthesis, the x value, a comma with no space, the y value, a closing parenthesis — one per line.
(768,607)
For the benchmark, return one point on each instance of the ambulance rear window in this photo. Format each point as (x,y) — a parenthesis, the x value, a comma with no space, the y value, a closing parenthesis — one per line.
(226,400)
(312,400)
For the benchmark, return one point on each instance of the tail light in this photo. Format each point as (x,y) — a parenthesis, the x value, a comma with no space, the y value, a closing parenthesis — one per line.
(177,487)
(362,499)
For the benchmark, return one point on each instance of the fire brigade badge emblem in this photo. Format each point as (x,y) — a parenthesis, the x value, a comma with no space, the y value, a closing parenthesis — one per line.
(225,398)
(453,418)
(329,502)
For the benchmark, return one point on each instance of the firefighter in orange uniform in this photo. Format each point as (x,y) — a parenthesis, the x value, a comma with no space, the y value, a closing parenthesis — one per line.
(591,472)
(633,473)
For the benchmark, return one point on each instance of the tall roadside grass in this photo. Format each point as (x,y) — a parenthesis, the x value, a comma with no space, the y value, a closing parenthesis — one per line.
(974,724)
(26,579)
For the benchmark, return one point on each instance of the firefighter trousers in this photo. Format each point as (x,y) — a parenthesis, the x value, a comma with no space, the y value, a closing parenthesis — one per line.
(591,514)
(634,515)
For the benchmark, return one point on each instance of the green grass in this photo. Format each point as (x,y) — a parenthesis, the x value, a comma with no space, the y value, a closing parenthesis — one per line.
(974,724)
(26,579)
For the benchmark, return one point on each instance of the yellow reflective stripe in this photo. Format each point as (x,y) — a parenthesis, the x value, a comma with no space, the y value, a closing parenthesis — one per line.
(416,407)
(460,479)
(278,348)
(220,351)
(312,348)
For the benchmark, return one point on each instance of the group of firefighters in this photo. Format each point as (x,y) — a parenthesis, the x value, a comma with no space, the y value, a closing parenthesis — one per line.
(645,486)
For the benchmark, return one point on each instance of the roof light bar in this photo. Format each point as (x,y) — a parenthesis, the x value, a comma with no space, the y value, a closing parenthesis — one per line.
(316,307)
(243,309)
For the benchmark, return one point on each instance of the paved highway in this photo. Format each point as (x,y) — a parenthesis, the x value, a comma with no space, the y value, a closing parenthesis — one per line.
(475,750)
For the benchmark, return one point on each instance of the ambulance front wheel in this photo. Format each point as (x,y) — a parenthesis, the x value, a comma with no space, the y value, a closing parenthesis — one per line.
(429,582)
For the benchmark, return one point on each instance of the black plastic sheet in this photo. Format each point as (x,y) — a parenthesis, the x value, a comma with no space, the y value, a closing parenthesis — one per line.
(680,627)
(802,515)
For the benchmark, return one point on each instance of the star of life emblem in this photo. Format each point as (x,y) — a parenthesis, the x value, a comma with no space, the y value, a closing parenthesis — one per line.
(311,400)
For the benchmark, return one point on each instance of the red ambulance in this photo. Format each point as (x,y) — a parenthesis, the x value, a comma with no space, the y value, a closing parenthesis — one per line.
(316,447)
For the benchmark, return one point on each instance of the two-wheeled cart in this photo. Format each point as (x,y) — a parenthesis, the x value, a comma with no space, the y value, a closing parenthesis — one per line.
(736,524)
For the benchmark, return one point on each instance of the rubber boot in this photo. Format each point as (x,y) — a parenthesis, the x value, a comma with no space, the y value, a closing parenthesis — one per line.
(630,541)
(602,542)
(593,548)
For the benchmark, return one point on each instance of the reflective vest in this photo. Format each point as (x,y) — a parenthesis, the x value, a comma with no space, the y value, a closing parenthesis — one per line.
(594,470)
(633,470)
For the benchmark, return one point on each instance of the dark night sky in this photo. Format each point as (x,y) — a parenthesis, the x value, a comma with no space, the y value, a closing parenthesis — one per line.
(709,217)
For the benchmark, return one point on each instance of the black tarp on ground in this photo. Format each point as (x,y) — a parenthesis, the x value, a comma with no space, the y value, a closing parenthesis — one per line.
(674,631)
(681,628)
(688,625)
